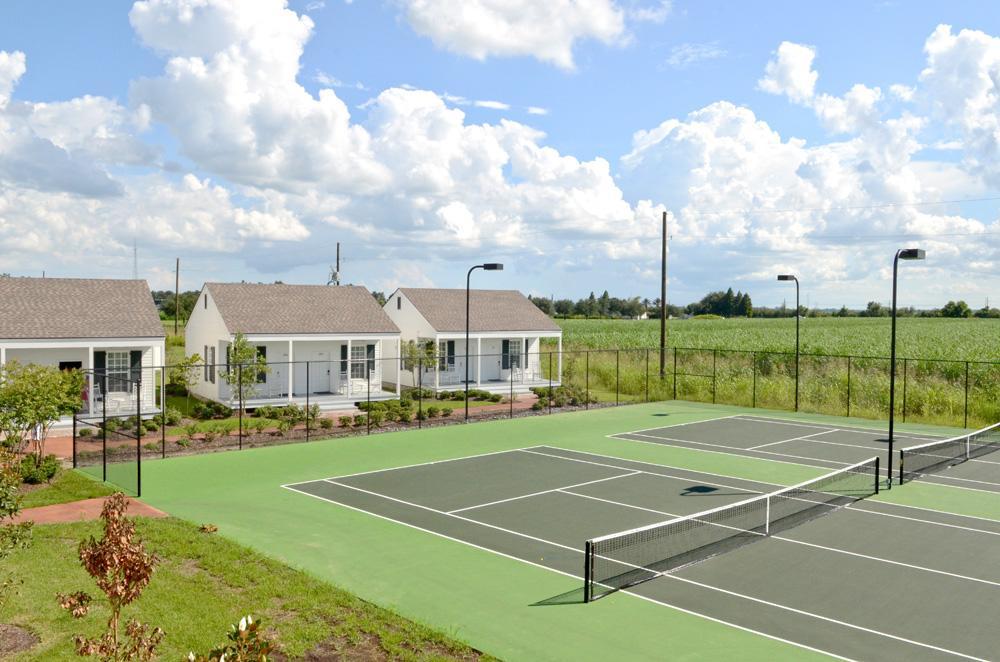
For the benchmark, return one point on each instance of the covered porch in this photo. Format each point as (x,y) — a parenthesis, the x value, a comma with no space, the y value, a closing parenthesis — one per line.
(497,362)
(333,373)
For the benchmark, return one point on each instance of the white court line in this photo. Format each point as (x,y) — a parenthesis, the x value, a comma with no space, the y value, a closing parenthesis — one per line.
(843,428)
(677,425)
(944,476)
(651,473)
(785,441)
(823,618)
(758,600)
(661,603)
(533,494)
(932,481)
(857,508)
(735,448)
(412,466)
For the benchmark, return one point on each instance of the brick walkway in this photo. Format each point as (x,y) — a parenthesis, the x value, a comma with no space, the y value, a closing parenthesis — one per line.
(77,511)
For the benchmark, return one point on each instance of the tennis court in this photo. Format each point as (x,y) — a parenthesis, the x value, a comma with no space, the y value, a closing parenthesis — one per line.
(815,444)
(866,580)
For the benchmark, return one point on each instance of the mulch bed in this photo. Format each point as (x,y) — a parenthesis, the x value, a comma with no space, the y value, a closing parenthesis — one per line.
(15,639)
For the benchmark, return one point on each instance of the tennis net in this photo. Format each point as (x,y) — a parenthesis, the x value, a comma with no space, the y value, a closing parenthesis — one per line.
(939,455)
(620,560)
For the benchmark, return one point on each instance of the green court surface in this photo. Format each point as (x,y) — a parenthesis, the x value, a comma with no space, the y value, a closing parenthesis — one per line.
(478,530)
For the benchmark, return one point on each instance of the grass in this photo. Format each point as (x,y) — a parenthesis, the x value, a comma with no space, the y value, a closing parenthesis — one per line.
(483,597)
(203,583)
(65,487)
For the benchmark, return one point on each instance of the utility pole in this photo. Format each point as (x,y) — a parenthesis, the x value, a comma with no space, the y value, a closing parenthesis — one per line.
(177,293)
(663,299)
(335,272)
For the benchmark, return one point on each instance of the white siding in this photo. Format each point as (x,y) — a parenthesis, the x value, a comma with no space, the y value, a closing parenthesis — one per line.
(206,327)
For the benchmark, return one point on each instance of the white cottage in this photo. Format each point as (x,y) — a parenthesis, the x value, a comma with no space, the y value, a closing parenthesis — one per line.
(505,334)
(100,326)
(321,343)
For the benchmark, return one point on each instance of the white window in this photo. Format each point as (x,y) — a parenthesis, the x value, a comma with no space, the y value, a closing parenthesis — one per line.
(358,361)
(118,372)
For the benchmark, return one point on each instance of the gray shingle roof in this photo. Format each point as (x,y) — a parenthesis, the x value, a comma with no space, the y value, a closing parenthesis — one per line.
(50,308)
(489,310)
(294,309)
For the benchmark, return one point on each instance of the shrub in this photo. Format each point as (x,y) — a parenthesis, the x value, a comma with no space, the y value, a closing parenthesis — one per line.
(209,436)
(432,412)
(259,425)
(266,411)
(84,432)
(150,426)
(345,421)
(284,426)
(152,446)
(405,403)
(446,411)
(421,415)
(326,423)
(184,443)
(377,417)
(35,471)
(496,397)
(172,416)
(360,420)
(405,416)
(246,642)
(446,395)
(191,429)
(220,410)
(537,406)
(459,396)
(559,401)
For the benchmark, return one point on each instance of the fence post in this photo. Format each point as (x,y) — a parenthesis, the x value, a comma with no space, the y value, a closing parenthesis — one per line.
(966,423)
(848,386)
(753,391)
(675,373)
(586,373)
(239,403)
(550,382)
(104,428)
(647,375)
(163,412)
(904,388)
(420,392)
(510,360)
(618,357)
(74,440)
(715,354)
(368,383)
(308,422)
(138,437)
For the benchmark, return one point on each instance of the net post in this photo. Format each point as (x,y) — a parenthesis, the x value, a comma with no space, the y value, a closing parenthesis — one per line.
(753,390)
(877,469)
(767,515)
(74,440)
(902,455)
(968,447)
(588,571)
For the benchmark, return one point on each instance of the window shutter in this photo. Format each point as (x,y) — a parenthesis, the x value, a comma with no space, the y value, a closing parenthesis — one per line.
(211,367)
(505,354)
(370,353)
(262,354)
(205,358)
(343,359)
(100,365)
(135,366)
(451,352)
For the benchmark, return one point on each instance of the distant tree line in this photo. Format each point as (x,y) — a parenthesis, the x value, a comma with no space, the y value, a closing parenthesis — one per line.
(734,304)
(167,304)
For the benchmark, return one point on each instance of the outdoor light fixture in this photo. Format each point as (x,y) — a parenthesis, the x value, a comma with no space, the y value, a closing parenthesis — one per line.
(791,277)
(488,266)
(901,254)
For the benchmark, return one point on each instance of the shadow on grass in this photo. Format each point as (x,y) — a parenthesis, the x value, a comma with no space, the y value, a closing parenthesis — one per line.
(574,597)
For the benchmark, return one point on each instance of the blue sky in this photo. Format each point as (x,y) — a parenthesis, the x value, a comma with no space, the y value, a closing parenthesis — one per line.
(429,135)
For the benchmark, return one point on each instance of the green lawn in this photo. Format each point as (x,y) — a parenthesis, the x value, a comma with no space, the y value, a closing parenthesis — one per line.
(65,487)
(203,583)
(481,597)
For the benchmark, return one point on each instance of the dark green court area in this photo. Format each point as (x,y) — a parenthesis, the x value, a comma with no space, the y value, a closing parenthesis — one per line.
(872,580)
(813,444)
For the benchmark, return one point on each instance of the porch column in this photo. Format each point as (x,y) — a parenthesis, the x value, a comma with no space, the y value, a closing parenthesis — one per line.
(559,365)
(479,360)
(92,380)
(437,364)
(3,355)
(348,375)
(291,368)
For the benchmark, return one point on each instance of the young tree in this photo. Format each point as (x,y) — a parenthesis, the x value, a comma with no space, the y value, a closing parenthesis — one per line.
(32,398)
(12,536)
(121,568)
(414,354)
(246,367)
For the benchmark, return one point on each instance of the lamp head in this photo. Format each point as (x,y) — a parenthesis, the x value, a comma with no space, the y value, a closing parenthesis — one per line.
(493,266)
(912,254)
(786,277)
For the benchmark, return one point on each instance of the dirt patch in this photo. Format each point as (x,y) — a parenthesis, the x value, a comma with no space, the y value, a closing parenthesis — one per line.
(15,639)
(76,511)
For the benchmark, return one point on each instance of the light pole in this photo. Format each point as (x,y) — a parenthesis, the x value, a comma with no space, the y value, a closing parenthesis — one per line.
(791,277)
(901,254)
(489,266)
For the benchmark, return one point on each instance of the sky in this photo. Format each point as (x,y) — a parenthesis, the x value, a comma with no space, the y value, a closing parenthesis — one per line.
(426,136)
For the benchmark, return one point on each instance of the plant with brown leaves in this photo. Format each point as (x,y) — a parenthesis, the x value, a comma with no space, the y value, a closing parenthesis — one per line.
(121,568)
